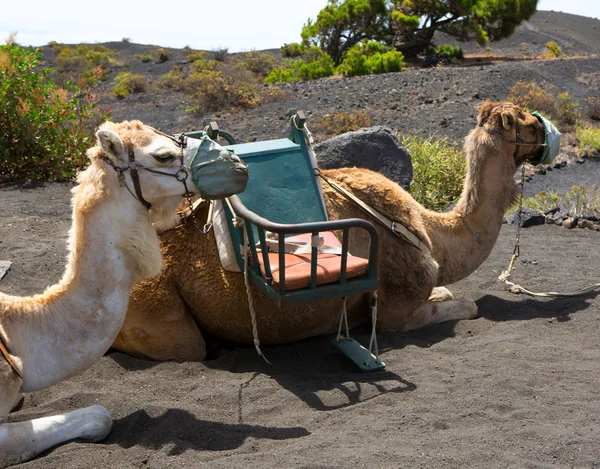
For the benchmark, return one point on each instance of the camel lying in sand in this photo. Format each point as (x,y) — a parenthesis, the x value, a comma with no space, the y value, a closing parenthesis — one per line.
(53,336)
(167,315)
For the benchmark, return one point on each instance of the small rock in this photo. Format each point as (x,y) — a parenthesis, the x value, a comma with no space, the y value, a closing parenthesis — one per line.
(529,218)
(570,223)
(582,223)
(4,267)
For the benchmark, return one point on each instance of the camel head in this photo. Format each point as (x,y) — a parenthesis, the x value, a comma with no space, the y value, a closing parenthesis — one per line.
(161,166)
(523,135)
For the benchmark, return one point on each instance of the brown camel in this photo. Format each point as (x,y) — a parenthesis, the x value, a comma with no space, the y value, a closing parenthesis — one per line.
(166,316)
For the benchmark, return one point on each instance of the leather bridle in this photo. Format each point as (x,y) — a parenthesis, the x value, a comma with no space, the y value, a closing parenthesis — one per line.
(517,140)
(133,166)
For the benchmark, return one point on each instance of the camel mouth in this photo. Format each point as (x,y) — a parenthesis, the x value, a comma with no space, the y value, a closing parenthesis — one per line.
(551,144)
(217,172)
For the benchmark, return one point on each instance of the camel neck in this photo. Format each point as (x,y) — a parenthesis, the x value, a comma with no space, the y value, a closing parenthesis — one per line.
(463,238)
(63,331)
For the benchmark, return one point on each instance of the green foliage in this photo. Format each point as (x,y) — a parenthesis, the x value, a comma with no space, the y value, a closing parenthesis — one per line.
(143,57)
(160,55)
(315,64)
(409,25)
(231,85)
(589,139)
(371,57)
(172,79)
(44,129)
(448,50)
(553,49)
(292,50)
(83,57)
(579,201)
(533,97)
(338,123)
(257,62)
(344,23)
(126,83)
(221,55)
(439,169)
(593,107)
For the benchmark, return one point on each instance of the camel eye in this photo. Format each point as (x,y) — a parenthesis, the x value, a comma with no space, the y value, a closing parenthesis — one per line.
(164,157)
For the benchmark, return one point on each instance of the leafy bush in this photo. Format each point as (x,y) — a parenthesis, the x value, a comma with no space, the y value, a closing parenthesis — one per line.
(439,169)
(579,201)
(83,57)
(341,122)
(371,57)
(126,83)
(450,51)
(589,139)
(292,50)
(593,107)
(533,97)
(315,64)
(221,55)
(160,55)
(552,49)
(172,79)
(44,129)
(259,63)
(143,57)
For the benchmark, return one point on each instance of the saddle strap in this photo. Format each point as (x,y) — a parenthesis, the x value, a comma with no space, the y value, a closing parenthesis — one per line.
(9,357)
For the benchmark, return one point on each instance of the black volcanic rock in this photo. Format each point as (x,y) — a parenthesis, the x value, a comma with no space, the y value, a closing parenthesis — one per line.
(375,148)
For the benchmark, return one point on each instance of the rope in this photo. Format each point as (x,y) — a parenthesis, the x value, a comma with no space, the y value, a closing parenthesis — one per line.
(239,223)
(373,341)
(505,275)
(343,320)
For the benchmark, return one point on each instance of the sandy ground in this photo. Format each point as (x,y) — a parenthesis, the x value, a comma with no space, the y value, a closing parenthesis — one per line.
(516,387)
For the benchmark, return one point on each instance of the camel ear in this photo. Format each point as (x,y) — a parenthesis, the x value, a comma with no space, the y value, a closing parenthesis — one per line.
(111,143)
(508,120)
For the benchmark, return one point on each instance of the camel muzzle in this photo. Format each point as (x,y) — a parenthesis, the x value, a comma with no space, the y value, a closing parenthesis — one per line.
(551,142)
(216,171)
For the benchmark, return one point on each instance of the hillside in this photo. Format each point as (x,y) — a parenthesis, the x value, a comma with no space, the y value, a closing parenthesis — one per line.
(424,101)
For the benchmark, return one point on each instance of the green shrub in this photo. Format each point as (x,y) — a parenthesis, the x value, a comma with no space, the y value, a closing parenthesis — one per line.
(439,169)
(579,201)
(126,83)
(171,80)
(533,97)
(221,55)
(452,52)
(589,139)
(160,55)
(292,50)
(371,57)
(143,57)
(593,107)
(314,64)
(259,63)
(44,129)
(552,49)
(338,123)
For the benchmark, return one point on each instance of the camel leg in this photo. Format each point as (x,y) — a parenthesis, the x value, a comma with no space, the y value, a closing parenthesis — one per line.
(22,441)
(436,312)
(158,326)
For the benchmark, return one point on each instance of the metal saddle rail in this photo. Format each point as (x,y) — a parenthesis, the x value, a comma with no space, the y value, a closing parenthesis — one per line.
(254,223)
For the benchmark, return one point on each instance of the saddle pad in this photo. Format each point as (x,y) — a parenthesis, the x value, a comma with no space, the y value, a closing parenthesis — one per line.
(297,266)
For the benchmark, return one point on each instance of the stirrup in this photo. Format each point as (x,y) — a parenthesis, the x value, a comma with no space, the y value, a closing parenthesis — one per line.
(359,355)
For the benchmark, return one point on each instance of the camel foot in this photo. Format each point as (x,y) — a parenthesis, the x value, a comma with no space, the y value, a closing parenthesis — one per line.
(96,423)
(436,312)
(441,294)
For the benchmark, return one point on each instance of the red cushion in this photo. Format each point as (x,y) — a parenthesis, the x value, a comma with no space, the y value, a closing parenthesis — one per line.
(297,266)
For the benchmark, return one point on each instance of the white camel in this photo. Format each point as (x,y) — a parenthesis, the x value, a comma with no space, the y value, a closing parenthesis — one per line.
(58,334)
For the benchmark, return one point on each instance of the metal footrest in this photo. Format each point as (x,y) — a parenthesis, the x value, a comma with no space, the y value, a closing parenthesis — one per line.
(359,355)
